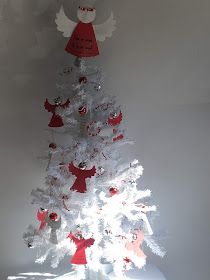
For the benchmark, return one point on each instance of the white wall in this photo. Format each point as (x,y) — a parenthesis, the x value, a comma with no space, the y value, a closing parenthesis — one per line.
(158,64)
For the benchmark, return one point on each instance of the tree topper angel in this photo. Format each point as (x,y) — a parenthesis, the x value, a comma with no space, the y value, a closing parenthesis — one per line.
(84,35)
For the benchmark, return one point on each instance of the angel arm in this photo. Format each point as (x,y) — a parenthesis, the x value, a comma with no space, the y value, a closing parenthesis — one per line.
(90,173)
(89,242)
(72,237)
(104,30)
(64,24)
(66,104)
(73,169)
(49,107)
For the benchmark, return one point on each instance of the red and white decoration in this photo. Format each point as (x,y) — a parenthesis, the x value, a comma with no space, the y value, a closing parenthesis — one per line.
(56,120)
(114,121)
(83,80)
(81,176)
(113,191)
(83,110)
(82,244)
(52,146)
(84,35)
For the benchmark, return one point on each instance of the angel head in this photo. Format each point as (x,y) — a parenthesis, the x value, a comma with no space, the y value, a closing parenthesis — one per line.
(58,100)
(86,14)
(137,236)
(82,165)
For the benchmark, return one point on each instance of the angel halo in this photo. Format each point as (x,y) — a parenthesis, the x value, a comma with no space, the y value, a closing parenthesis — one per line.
(84,35)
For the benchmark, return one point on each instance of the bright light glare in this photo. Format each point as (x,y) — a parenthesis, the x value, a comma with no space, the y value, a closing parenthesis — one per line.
(38,274)
(16,277)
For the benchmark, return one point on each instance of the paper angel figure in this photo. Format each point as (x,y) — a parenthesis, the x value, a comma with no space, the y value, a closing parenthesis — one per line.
(84,35)
(82,174)
(82,244)
(56,120)
(134,247)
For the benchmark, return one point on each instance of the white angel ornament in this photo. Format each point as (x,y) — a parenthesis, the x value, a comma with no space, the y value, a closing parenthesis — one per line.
(84,35)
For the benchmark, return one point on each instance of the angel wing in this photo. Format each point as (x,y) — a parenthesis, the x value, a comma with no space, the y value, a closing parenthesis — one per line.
(64,24)
(89,173)
(66,104)
(89,242)
(104,30)
(49,107)
(73,169)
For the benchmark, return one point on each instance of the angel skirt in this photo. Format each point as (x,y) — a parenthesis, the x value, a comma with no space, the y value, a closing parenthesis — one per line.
(56,121)
(83,41)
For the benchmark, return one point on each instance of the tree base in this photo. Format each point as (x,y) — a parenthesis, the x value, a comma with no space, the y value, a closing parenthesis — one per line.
(150,272)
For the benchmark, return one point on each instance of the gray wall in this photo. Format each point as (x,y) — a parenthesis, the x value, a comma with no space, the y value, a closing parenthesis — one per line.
(158,64)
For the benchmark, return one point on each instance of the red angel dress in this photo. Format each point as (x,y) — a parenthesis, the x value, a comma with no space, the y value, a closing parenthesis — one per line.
(81,174)
(79,257)
(56,120)
(83,41)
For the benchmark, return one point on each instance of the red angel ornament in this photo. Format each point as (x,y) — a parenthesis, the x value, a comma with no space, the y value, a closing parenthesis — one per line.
(56,120)
(84,35)
(115,119)
(82,174)
(79,257)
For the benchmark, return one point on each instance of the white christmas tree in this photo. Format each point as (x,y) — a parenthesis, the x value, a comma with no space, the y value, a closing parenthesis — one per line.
(91,208)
